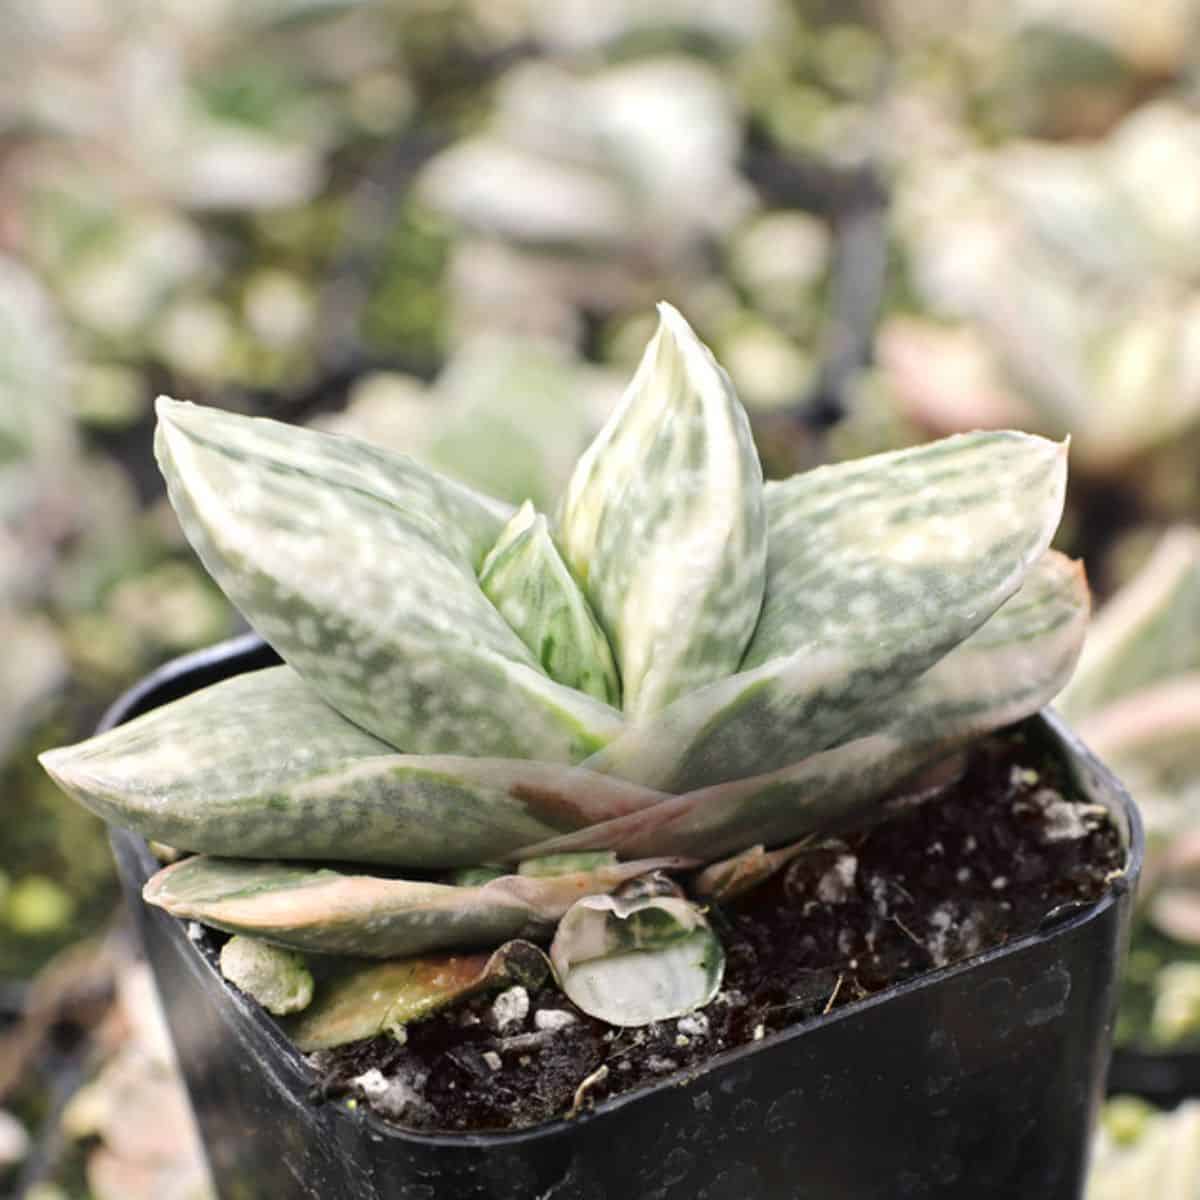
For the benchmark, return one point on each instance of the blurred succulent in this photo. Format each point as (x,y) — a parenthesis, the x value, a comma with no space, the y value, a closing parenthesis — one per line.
(1136,700)
(1075,283)
(532,715)
(507,416)
(1142,1152)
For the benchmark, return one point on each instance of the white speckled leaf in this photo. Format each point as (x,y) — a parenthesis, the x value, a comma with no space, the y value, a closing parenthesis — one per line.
(358,566)
(526,579)
(259,766)
(633,962)
(1005,671)
(876,569)
(357,1000)
(1148,631)
(662,523)
(321,911)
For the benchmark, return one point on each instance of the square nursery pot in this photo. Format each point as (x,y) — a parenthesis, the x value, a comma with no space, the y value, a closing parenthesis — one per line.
(980,1080)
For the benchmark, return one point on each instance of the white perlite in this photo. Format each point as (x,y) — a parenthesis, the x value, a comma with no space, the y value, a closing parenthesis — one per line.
(693,1025)
(1067,821)
(552,1019)
(835,885)
(511,1007)
(392,1097)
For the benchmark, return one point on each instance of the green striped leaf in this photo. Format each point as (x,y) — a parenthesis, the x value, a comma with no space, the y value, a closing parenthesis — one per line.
(662,523)
(525,577)
(631,962)
(876,569)
(362,1000)
(259,766)
(319,911)
(1007,670)
(1149,631)
(358,566)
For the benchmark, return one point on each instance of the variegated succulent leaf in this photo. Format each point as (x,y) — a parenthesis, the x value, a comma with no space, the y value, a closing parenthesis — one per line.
(359,567)
(631,962)
(1009,669)
(1148,632)
(525,577)
(663,523)
(259,766)
(361,1000)
(322,911)
(876,569)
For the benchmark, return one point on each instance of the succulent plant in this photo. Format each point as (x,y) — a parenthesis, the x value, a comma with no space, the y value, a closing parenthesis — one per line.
(1136,701)
(526,721)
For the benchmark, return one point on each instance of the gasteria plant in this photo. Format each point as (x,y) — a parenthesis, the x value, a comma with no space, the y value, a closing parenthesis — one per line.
(536,718)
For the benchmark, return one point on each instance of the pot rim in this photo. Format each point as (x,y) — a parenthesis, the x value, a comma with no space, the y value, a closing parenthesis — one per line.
(1056,923)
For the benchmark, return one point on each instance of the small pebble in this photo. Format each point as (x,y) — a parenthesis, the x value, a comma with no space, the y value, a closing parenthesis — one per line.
(552,1019)
(694,1025)
(492,1059)
(511,1007)
(837,884)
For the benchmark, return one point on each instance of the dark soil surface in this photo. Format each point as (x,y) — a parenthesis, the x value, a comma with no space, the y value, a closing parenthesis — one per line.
(985,861)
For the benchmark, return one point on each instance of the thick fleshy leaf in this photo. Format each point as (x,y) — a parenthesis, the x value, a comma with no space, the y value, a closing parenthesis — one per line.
(328,912)
(1007,670)
(1149,631)
(259,766)
(357,1000)
(358,566)
(637,961)
(876,569)
(663,523)
(525,577)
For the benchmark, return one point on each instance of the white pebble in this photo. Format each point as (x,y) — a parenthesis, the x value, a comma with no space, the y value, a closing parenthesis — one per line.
(492,1059)
(693,1025)
(836,884)
(552,1019)
(511,1007)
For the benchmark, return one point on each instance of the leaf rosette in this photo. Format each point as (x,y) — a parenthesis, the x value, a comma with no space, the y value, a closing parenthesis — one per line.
(509,716)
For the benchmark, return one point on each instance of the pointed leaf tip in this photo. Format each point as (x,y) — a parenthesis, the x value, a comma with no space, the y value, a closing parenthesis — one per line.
(525,577)
(663,523)
(358,566)
(876,569)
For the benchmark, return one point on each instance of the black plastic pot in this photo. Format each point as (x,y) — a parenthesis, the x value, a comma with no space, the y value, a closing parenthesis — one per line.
(981,1080)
